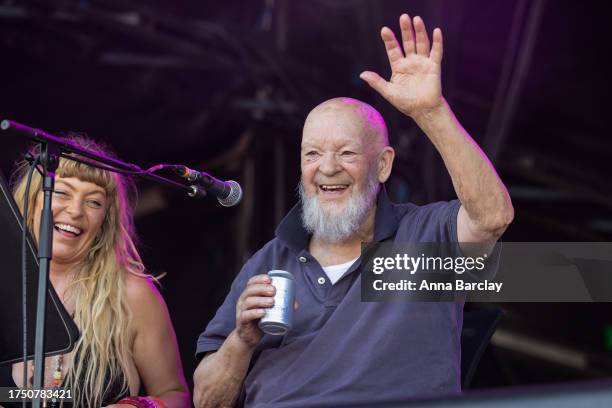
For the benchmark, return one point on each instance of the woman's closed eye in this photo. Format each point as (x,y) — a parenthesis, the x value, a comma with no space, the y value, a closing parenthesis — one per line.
(96,204)
(60,193)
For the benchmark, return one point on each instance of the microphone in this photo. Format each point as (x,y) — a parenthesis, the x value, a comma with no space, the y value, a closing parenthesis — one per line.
(228,193)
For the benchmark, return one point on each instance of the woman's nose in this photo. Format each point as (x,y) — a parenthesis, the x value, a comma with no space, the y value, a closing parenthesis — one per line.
(74,207)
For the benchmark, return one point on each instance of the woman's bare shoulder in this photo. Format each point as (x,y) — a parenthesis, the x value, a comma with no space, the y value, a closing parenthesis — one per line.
(143,297)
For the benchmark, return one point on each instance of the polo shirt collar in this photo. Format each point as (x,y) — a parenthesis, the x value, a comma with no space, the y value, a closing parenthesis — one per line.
(291,231)
(386,220)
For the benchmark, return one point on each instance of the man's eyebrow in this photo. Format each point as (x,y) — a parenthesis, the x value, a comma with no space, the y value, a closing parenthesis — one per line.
(307,146)
(347,143)
(351,145)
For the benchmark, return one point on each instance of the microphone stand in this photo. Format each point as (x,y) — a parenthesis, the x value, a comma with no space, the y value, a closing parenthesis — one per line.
(49,158)
(51,148)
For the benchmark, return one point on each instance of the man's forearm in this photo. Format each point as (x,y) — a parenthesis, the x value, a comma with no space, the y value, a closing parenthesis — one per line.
(476,182)
(219,376)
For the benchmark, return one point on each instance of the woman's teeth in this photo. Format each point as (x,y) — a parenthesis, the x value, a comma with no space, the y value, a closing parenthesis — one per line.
(68,228)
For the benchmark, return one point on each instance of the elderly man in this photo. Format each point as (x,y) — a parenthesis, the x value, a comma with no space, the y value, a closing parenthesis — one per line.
(342,351)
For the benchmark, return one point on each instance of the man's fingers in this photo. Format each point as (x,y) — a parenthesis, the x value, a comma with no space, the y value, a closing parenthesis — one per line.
(376,82)
(255,302)
(393,49)
(256,289)
(422,40)
(407,34)
(262,278)
(437,47)
(249,315)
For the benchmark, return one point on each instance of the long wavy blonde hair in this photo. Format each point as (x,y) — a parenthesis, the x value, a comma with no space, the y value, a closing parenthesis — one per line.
(102,354)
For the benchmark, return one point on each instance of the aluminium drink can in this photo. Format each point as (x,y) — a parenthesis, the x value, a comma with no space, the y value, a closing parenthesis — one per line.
(279,318)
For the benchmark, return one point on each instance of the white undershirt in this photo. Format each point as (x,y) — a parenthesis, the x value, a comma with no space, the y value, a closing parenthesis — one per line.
(335,272)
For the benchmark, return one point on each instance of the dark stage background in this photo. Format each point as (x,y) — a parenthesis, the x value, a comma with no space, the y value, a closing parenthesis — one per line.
(224,86)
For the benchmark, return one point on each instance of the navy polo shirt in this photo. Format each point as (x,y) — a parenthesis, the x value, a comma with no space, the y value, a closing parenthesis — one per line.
(342,351)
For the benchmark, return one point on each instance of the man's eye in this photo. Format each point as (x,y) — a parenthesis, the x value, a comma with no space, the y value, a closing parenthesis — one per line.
(311,154)
(348,153)
(59,193)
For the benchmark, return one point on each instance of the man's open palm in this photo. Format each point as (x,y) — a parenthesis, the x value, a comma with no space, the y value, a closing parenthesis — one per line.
(415,85)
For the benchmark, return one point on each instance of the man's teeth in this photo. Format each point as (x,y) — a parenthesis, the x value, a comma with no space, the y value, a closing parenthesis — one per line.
(333,187)
(68,228)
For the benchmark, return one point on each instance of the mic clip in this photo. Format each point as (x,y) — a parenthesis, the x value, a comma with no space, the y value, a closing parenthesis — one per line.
(196,191)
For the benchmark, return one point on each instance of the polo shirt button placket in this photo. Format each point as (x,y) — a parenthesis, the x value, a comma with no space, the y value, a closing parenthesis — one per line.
(321,280)
(302,259)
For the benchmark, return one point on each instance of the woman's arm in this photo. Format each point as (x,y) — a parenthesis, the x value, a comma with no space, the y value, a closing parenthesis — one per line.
(155,349)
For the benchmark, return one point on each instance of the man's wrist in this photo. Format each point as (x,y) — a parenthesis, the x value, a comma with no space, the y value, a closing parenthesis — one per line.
(238,345)
(425,117)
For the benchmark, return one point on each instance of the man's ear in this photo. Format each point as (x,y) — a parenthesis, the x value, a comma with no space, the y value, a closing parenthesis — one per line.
(385,163)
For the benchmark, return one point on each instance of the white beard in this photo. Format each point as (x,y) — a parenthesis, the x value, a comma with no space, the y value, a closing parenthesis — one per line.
(334,223)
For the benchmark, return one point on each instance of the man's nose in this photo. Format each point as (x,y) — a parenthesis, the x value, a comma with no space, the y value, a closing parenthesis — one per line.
(329,164)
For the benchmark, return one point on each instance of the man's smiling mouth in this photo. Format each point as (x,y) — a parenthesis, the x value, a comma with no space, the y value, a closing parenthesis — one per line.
(332,188)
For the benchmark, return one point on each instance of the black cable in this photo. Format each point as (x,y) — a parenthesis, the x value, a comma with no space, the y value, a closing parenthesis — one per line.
(98,165)
(24,294)
(150,170)
(147,174)
(160,167)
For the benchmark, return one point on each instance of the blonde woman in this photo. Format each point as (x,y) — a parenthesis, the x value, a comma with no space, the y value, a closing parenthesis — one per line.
(127,340)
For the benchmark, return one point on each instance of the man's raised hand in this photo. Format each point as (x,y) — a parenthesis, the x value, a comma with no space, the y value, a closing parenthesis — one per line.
(415,86)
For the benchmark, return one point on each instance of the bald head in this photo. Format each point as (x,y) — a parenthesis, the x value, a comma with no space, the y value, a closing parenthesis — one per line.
(358,117)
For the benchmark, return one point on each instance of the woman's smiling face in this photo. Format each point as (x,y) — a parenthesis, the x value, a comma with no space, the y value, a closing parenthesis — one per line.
(79,209)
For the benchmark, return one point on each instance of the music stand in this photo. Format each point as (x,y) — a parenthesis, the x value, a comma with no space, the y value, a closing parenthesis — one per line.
(61,332)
